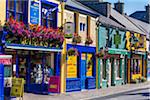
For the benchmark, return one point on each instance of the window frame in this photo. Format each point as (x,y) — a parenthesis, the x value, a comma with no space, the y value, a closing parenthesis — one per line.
(46,5)
(24,12)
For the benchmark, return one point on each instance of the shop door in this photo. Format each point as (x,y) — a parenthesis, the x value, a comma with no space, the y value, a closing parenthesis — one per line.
(83,73)
(1,82)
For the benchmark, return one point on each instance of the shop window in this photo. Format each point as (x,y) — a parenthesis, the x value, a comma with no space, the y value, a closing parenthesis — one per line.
(49,16)
(104,73)
(89,65)
(118,68)
(36,69)
(22,67)
(17,9)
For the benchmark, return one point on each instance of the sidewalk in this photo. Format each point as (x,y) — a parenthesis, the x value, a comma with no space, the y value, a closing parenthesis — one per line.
(87,94)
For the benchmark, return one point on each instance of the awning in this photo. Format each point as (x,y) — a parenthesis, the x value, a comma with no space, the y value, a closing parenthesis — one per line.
(29,47)
(117,51)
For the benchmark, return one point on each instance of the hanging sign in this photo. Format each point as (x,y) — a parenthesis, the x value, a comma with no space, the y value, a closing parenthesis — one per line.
(72,67)
(69,29)
(17,89)
(54,84)
(34,12)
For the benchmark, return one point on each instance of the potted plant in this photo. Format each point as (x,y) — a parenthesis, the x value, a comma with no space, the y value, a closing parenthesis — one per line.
(72,52)
(100,54)
(76,39)
(88,41)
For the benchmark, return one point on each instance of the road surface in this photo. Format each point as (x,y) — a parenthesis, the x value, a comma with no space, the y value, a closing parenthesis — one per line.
(138,94)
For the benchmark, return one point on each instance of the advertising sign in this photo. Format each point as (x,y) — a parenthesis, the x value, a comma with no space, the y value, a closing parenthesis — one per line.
(69,29)
(72,67)
(17,89)
(89,65)
(34,12)
(54,84)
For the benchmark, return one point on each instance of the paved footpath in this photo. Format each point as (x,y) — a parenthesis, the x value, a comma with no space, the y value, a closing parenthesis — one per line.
(87,94)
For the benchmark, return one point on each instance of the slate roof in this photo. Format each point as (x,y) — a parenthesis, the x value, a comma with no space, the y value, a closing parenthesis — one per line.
(71,4)
(117,17)
(124,21)
(140,15)
(142,25)
(106,21)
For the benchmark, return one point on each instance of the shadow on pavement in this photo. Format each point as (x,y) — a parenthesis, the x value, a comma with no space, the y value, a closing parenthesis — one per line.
(147,94)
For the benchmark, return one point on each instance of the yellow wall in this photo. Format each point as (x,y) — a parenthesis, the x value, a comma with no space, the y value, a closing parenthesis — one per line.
(69,17)
(2,11)
(138,36)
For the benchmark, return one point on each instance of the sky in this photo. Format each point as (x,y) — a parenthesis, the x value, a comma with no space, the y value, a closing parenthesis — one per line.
(132,5)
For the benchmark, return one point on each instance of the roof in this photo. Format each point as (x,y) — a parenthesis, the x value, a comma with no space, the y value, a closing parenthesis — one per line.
(109,22)
(140,15)
(116,17)
(125,22)
(74,5)
(142,25)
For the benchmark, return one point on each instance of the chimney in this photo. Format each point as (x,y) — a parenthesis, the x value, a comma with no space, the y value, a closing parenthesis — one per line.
(104,8)
(119,6)
(148,13)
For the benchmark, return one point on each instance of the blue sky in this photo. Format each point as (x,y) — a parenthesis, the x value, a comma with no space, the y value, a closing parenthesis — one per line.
(132,5)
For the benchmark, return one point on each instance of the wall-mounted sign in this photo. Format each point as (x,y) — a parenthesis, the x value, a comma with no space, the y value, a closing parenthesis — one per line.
(69,29)
(72,67)
(34,12)
(54,84)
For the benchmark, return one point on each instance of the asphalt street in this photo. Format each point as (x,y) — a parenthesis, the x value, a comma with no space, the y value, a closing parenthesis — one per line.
(138,94)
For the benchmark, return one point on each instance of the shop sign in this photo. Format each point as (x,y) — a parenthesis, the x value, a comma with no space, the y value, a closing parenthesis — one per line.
(5,61)
(17,89)
(69,29)
(89,65)
(117,52)
(72,67)
(54,84)
(117,39)
(34,12)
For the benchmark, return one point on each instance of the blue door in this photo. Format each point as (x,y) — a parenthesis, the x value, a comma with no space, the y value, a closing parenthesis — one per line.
(83,73)
(1,82)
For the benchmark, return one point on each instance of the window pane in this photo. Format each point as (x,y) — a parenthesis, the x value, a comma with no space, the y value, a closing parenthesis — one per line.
(10,4)
(19,17)
(43,22)
(10,14)
(19,6)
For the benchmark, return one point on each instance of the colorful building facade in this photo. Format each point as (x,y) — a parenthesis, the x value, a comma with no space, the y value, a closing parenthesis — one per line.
(137,62)
(81,67)
(32,57)
(112,56)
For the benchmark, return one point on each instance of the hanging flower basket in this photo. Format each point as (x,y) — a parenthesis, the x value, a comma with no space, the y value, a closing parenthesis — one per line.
(76,39)
(72,52)
(100,54)
(88,41)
